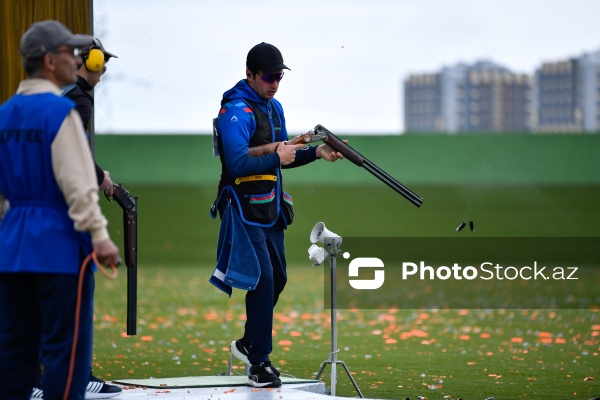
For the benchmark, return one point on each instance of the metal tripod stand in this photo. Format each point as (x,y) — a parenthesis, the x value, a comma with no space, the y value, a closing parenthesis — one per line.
(332,250)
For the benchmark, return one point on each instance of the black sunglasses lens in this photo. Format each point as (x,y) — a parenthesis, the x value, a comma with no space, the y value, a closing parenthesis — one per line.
(271,78)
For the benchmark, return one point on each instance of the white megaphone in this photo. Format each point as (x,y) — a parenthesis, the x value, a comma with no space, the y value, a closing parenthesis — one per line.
(321,234)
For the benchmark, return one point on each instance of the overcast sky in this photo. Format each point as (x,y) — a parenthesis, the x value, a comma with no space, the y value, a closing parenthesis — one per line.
(348,58)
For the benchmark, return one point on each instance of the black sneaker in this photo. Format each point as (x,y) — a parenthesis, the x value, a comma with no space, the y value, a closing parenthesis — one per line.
(240,351)
(263,376)
(98,389)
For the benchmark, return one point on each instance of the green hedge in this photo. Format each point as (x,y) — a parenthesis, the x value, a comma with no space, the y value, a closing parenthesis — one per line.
(511,185)
(423,159)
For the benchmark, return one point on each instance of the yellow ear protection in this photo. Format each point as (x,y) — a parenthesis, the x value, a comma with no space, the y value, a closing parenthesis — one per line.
(94,60)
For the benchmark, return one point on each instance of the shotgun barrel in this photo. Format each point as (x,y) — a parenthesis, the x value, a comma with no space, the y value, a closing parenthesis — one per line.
(337,144)
(130,228)
(128,203)
(356,158)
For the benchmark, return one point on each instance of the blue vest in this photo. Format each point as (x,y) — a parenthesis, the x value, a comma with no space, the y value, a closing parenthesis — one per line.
(260,202)
(36,234)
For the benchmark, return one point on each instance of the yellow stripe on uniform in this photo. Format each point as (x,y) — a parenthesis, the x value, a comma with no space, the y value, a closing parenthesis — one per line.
(255,178)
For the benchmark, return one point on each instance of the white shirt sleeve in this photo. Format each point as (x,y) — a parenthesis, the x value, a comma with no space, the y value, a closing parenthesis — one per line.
(74,171)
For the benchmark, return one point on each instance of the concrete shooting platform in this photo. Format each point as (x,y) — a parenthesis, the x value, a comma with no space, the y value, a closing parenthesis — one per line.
(221,387)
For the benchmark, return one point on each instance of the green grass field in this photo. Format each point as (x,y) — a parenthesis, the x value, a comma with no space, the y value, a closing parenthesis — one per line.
(185,324)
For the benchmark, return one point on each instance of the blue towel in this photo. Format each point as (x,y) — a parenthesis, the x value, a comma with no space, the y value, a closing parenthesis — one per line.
(237,263)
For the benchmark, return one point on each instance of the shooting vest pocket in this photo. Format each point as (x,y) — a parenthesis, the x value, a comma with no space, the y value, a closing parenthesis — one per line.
(258,200)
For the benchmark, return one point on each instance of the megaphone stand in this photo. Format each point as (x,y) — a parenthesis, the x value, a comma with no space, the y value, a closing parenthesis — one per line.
(332,254)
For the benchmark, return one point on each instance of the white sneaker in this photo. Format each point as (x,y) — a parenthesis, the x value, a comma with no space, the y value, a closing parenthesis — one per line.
(37,393)
(98,389)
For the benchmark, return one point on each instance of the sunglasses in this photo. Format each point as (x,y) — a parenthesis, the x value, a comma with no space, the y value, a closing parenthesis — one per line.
(75,52)
(272,78)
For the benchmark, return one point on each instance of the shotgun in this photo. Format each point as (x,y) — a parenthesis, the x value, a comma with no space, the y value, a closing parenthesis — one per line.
(128,203)
(321,133)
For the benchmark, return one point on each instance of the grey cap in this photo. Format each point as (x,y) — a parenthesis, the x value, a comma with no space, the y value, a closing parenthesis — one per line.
(44,36)
(96,43)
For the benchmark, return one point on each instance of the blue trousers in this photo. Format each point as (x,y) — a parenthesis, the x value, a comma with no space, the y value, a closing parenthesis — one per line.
(37,317)
(269,247)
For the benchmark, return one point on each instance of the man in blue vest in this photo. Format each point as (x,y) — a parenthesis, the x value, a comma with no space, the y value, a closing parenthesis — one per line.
(53,223)
(251,196)
(89,73)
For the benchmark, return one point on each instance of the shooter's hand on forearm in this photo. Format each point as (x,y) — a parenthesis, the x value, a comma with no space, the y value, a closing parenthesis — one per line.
(106,252)
(328,154)
(287,152)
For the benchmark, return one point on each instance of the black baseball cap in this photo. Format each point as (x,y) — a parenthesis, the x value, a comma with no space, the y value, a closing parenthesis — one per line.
(266,58)
(96,43)
(44,36)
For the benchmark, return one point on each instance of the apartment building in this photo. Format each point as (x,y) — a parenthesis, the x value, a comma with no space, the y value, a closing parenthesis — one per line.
(423,103)
(566,95)
(482,97)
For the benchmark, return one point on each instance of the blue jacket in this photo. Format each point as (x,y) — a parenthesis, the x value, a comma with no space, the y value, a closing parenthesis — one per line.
(236,126)
(36,234)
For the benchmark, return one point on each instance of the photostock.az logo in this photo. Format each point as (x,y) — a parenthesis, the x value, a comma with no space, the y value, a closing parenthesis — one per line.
(366,262)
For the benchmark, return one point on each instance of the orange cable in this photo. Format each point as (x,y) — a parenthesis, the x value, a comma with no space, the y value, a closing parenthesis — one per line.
(91,256)
(112,275)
